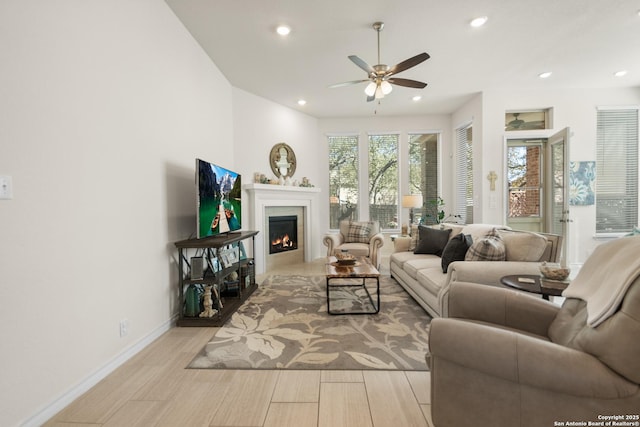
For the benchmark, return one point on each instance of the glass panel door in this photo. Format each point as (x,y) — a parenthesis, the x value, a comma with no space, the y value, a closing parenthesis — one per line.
(558,219)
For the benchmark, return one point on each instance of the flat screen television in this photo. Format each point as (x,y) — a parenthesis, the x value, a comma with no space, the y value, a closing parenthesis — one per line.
(219,198)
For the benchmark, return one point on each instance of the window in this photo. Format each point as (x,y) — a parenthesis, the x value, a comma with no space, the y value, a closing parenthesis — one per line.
(423,173)
(617,170)
(524,172)
(343,179)
(383,180)
(464,186)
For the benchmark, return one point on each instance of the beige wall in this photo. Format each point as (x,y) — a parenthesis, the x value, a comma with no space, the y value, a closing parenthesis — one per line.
(105,105)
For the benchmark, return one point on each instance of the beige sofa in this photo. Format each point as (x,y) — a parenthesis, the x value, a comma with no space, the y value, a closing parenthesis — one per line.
(505,358)
(423,278)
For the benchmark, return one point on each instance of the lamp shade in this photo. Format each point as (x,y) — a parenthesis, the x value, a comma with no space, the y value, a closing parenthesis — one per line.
(412,201)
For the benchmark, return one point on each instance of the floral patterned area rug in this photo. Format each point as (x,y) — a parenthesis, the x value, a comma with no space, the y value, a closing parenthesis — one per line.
(285,325)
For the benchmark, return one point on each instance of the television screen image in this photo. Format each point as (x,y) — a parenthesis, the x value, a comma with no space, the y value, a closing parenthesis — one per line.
(219,197)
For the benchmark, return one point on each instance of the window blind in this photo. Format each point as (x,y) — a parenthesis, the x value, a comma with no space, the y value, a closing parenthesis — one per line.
(464,182)
(617,170)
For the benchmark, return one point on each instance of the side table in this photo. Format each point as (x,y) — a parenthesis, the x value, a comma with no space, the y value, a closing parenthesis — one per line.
(531,283)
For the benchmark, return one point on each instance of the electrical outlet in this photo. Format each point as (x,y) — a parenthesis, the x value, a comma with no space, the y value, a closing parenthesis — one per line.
(124,327)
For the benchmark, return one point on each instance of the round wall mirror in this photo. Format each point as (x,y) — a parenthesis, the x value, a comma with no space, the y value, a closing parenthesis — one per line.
(282,160)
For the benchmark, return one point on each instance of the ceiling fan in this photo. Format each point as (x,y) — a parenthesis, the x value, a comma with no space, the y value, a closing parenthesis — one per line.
(519,124)
(516,123)
(381,76)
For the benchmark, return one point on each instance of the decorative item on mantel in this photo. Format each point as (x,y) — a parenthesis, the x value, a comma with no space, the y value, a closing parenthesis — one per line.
(283,164)
(260,178)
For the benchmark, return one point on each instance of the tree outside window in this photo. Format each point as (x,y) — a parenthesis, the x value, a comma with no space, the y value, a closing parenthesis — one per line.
(383,180)
(343,179)
(423,173)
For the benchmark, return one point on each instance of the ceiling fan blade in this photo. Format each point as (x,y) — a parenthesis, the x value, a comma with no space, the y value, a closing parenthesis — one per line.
(353,82)
(371,98)
(407,83)
(360,63)
(406,64)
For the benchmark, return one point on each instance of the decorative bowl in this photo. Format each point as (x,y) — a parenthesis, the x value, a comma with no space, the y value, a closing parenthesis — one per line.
(554,271)
(345,258)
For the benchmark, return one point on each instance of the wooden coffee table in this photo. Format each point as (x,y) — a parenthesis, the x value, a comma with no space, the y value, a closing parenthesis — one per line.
(530,283)
(342,275)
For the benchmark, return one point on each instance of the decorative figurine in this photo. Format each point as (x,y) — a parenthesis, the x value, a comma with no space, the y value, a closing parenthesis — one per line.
(208,311)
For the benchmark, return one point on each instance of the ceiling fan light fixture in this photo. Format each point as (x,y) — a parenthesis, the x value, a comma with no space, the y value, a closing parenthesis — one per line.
(386,87)
(379,92)
(370,90)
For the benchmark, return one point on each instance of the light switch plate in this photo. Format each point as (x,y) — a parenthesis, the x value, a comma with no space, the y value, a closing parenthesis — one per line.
(6,187)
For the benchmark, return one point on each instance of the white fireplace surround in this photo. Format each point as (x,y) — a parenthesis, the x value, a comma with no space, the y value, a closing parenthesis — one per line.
(262,196)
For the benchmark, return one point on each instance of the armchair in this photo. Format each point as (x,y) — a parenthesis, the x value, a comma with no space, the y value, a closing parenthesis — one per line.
(360,238)
(505,358)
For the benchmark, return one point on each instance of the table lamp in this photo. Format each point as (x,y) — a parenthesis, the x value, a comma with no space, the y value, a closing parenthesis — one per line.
(411,201)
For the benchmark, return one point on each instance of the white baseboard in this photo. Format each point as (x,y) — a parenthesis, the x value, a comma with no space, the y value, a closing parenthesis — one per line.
(65,399)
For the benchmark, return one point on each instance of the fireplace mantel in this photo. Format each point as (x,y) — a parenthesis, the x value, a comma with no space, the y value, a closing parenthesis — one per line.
(262,196)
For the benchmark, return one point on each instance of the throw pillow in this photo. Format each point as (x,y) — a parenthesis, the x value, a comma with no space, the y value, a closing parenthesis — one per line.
(432,241)
(413,232)
(455,250)
(523,245)
(487,248)
(358,232)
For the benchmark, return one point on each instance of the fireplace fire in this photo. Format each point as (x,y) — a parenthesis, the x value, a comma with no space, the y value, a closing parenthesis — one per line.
(283,233)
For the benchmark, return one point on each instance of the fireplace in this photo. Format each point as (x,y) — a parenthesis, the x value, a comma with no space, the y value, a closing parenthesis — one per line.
(267,200)
(283,233)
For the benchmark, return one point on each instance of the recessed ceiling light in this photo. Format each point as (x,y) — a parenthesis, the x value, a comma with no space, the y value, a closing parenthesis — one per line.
(620,73)
(301,102)
(283,30)
(545,75)
(479,21)
(416,98)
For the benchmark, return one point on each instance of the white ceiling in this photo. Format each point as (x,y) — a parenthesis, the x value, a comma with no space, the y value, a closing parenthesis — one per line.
(583,42)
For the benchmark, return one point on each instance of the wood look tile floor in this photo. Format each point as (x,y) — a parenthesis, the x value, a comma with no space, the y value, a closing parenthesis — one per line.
(154,389)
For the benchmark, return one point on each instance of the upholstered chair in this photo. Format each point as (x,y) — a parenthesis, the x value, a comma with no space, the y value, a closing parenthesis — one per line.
(359,238)
(505,358)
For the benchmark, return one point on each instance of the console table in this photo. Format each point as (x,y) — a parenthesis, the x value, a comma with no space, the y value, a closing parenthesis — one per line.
(217,259)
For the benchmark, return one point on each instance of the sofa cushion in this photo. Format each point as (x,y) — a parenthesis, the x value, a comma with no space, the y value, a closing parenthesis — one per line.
(455,250)
(411,267)
(358,232)
(432,241)
(478,231)
(487,248)
(400,258)
(433,279)
(523,245)
(455,228)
